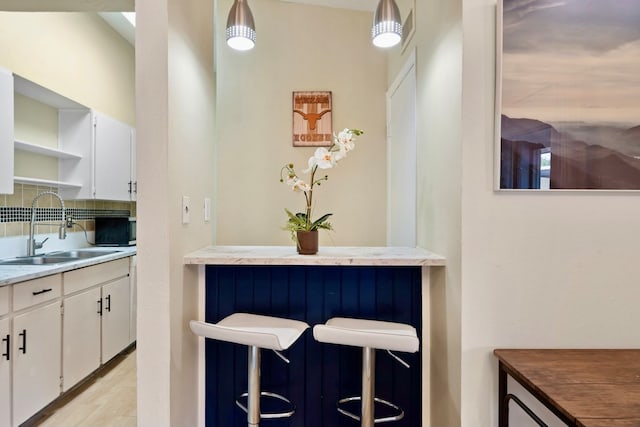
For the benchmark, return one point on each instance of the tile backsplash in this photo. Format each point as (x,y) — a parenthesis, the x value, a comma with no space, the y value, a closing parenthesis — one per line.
(15,210)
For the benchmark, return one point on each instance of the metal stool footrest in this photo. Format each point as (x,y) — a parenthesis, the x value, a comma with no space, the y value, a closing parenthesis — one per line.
(398,416)
(285,414)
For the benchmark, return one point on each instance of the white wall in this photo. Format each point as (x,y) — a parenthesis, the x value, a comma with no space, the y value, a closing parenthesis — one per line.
(97,72)
(538,270)
(438,45)
(75,54)
(299,48)
(175,94)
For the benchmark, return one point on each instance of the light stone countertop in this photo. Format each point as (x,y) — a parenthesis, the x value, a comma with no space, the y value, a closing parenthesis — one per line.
(10,274)
(327,255)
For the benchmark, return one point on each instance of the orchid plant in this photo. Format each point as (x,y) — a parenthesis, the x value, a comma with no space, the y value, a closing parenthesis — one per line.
(323,158)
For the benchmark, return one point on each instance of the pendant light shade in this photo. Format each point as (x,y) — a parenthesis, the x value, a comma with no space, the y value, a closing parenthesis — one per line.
(387,24)
(241,31)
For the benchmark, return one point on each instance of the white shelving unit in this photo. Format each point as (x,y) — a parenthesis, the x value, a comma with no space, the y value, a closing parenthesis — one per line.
(45,151)
(49,152)
(45,96)
(47,182)
(95,153)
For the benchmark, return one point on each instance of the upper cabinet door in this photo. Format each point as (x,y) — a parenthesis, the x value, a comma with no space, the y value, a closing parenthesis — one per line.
(112,159)
(6,132)
(134,174)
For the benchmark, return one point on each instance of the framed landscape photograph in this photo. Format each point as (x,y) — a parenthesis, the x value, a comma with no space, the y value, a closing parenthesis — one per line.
(568,95)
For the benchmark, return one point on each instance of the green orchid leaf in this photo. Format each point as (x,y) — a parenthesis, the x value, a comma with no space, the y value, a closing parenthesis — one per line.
(320,221)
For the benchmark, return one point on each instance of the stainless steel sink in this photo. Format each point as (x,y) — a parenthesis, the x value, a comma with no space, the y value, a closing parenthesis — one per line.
(58,257)
(79,254)
(35,260)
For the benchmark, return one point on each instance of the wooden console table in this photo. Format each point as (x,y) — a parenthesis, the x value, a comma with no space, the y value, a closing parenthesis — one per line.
(584,388)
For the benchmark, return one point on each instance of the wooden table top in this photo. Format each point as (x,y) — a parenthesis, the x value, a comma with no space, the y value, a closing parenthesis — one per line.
(596,388)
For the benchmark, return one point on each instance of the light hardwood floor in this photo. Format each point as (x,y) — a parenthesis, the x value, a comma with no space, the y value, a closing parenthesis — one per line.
(108,400)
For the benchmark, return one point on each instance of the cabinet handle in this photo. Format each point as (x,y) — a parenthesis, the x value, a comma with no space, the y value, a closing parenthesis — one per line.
(100,306)
(44,291)
(23,334)
(130,183)
(7,339)
(135,187)
(109,303)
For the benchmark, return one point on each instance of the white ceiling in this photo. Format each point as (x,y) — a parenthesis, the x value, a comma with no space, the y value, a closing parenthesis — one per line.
(127,30)
(121,24)
(341,4)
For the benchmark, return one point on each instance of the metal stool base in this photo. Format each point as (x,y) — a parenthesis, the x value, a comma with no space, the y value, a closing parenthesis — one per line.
(398,416)
(271,414)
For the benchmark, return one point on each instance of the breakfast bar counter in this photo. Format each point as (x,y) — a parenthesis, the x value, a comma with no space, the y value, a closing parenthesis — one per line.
(382,283)
(286,255)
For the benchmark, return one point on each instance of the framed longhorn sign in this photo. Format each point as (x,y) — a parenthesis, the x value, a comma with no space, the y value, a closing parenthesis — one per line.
(312,119)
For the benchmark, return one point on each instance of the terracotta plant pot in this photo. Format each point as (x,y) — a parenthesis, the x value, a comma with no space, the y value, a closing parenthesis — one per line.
(307,242)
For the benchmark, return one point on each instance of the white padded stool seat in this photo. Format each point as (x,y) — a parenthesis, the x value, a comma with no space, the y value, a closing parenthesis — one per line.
(273,333)
(257,332)
(368,333)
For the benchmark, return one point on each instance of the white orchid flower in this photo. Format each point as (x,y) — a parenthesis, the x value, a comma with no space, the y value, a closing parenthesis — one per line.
(300,185)
(341,153)
(297,184)
(345,140)
(322,158)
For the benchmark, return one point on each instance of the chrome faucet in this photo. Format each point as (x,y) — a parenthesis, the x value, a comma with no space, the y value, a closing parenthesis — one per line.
(32,245)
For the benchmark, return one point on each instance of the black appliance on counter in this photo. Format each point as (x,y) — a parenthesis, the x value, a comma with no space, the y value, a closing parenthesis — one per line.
(115,231)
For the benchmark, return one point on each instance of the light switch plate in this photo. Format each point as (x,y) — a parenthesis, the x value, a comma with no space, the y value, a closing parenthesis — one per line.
(207,209)
(186,209)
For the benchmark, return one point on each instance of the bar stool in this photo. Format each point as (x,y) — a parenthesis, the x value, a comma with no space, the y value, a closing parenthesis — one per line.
(370,335)
(256,332)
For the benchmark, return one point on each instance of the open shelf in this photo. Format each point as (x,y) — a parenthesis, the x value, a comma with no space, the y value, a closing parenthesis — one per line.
(45,151)
(47,182)
(46,96)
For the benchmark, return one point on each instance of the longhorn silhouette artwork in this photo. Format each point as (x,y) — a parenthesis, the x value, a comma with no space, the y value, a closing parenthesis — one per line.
(312,118)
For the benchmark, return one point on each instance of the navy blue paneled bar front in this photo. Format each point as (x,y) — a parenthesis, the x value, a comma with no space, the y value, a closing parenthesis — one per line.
(319,374)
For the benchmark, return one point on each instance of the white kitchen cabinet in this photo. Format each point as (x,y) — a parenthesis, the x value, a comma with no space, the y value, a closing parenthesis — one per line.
(5,374)
(6,132)
(36,352)
(105,145)
(57,330)
(4,300)
(115,318)
(92,317)
(81,336)
(5,359)
(133,283)
(95,329)
(112,159)
(134,173)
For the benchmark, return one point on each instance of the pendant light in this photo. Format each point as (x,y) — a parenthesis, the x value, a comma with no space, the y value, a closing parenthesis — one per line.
(241,31)
(387,24)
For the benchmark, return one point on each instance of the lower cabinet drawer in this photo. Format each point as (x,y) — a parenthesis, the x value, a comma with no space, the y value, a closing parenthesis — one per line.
(84,278)
(4,300)
(32,292)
